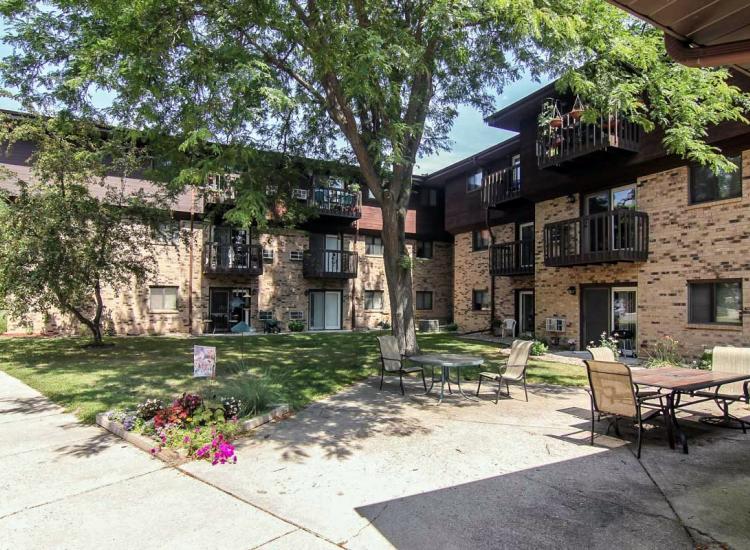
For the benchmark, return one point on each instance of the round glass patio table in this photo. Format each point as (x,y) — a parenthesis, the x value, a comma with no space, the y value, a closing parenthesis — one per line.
(447,361)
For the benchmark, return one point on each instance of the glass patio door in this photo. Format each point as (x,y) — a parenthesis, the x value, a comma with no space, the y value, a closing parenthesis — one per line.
(325,310)
(526,236)
(333,254)
(625,316)
(526,313)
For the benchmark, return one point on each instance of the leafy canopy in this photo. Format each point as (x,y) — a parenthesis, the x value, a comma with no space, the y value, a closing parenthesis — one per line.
(74,228)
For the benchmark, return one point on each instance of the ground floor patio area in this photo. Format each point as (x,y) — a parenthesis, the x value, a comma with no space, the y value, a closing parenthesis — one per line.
(372,469)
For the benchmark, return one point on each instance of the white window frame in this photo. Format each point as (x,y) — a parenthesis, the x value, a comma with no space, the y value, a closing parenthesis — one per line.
(163,295)
(296,255)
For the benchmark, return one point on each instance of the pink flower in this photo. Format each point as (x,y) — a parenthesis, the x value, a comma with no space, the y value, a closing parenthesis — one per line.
(186,439)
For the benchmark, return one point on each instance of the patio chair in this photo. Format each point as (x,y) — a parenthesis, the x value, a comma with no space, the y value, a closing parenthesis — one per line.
(602,354)
(613,395)
(510,326)
(391,361)
(735,361)
(513,371)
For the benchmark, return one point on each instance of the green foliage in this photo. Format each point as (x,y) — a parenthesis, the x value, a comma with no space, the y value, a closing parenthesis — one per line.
(706,360)
(405,262)
(450,327)
(606,341)
(3,322)
(538,348)
(296,326)
(255,393)
(665,353)
(73,230)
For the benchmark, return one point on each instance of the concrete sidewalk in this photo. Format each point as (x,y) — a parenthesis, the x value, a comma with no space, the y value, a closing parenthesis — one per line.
(66,485)
(370,469)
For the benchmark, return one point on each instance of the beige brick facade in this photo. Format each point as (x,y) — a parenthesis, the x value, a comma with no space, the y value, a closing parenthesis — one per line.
(281,289)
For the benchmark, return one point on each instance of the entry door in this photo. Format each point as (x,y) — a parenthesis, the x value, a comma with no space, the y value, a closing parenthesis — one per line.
(218,308)
(625,316)
(596,232)
(325,310)
(526,313)
(333,254)
(596,314)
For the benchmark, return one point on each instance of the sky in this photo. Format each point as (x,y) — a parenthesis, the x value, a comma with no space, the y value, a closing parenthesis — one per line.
(469,134)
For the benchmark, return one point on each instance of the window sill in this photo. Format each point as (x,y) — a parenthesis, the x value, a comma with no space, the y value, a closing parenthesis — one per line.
(164,311)
(482,311)
(719,202)
(373,255)
(712,326)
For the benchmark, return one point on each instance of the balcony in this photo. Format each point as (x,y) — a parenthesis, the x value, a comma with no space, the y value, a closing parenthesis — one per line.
(574,138)
(500,187)
(335,202)
(329,264)
(615,236)
(232,259)
(513,258)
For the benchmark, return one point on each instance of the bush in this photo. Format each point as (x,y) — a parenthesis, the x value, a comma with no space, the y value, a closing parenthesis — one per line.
(3,322)
(450,327)
(296,326)
(607,342)
(385,325)
(665,353)
(706,361)
(539,348)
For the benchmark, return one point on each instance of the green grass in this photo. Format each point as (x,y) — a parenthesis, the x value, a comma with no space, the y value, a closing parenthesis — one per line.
(304,366)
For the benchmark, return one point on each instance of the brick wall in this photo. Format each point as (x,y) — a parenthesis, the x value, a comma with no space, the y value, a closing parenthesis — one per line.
(470,272)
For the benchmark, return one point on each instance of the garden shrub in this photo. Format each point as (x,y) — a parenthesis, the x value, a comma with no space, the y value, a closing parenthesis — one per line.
(450,327)
(607,342)
(665,353)
(706,361)
(296,326)
(254,393)
(539,348)
(3,322)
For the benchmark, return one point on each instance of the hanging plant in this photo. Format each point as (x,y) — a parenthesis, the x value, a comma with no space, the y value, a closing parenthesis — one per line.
(577,110)
(549,117)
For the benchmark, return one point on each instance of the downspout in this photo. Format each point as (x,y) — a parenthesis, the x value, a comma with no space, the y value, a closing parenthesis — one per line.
(190,264)
(489,258)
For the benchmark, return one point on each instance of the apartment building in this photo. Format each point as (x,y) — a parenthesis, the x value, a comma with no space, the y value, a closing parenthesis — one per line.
(327,272)
(577,229)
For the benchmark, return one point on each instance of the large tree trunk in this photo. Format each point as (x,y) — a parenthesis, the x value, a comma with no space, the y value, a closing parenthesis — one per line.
(397,262)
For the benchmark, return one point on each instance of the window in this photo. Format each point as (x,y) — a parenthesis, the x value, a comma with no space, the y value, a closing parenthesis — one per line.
(480,239)
(705,186)
(480,300)
(474,182)
(295,255)
(162,298)
(373,299)
(268,254)
(515,165)
(428,197)
(168,233)
(373,246)
(424,249)
(424,299)
(265,315)
(296,315)
(715,302)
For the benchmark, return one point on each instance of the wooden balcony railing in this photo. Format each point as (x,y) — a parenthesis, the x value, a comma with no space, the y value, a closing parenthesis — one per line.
(575,138)
(329,264)
(616,236)
(335,202)
(513,258)
(232,259)
(501,186)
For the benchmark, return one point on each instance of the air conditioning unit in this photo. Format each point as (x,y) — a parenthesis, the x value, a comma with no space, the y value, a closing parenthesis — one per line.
(268,254)
(555,324)
(300,194)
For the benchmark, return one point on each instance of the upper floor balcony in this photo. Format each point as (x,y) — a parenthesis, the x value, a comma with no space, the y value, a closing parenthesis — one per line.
(332,202)
(329,264)
(220,188)
(501,186)
(232,259)
(566,137)
(512,258)
(616,236)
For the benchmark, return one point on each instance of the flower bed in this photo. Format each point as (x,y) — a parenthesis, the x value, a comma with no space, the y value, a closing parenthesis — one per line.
(189,426)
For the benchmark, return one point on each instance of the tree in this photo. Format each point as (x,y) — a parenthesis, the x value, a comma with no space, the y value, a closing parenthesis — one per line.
(383,79)
(73,231)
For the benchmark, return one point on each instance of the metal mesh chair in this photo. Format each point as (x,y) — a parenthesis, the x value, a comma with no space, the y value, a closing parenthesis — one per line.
(613,394)
(392,361)
(735,361)
(602,354)
(513,371)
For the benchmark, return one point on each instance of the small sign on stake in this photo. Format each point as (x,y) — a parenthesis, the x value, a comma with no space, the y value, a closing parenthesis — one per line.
(204,362)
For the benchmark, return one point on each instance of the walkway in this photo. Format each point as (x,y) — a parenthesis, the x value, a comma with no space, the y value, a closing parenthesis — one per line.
(370,469)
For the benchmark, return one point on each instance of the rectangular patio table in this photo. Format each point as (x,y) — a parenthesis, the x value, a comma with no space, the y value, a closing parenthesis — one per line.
(447,362)
(680,381)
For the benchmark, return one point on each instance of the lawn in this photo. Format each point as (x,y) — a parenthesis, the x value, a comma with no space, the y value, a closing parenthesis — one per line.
(303,367)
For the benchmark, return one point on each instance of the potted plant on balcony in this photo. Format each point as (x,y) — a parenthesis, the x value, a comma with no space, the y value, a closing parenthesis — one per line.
(550,117)
(577,111)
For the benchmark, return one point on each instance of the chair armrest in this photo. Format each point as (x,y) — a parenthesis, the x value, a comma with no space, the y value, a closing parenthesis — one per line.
(746,391)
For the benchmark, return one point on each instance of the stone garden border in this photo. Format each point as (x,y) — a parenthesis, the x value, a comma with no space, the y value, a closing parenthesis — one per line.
(171,456)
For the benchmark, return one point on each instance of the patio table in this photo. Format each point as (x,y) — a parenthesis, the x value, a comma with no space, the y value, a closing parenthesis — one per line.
(680,381)
(447,362)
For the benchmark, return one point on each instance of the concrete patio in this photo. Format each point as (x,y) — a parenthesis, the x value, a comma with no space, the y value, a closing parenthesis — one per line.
(369,469)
